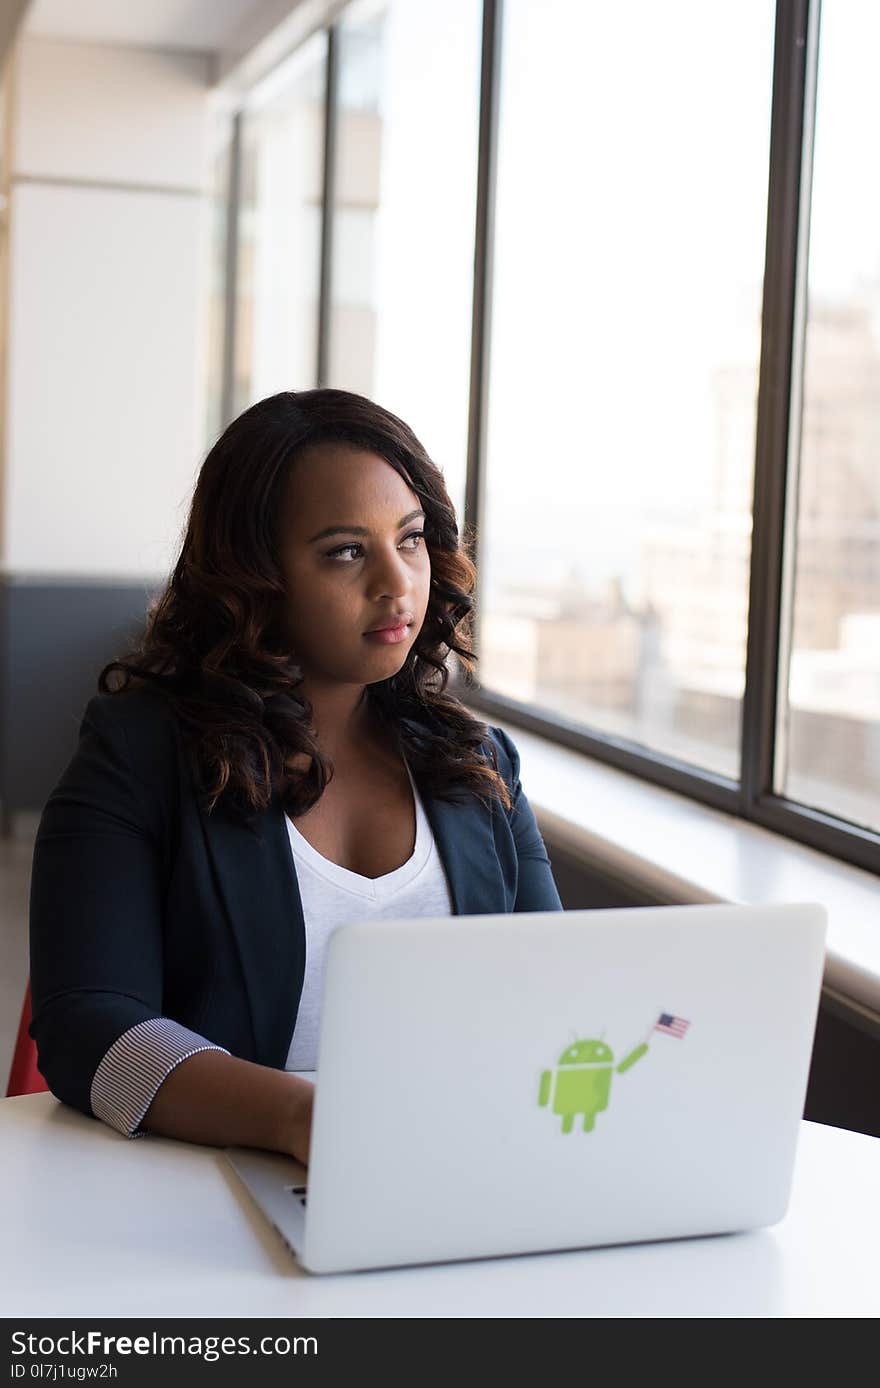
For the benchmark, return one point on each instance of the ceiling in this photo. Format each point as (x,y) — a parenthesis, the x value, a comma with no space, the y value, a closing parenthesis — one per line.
(199,25)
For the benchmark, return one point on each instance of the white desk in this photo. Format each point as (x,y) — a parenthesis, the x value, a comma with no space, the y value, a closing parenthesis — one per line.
(94,1224)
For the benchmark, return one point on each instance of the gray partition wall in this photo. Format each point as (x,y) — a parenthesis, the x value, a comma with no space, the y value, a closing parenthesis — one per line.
(55,637)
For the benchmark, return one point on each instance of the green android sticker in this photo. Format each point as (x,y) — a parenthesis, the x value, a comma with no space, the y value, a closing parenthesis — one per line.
(581,1084)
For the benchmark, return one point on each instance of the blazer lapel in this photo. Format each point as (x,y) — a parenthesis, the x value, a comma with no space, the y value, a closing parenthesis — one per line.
(257,881)
(466,844)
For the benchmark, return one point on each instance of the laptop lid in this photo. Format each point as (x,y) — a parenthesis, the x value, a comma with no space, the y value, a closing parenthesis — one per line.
(493,1085)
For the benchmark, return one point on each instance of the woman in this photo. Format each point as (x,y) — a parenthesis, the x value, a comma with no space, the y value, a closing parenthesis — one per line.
(280,755)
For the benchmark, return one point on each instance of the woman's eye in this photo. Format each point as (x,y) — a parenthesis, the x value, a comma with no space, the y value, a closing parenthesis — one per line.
(417,535)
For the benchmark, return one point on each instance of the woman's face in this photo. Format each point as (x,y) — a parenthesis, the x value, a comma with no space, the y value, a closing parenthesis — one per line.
(372,568)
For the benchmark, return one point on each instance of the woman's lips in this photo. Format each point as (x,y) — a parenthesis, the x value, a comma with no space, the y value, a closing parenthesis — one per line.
(390,636)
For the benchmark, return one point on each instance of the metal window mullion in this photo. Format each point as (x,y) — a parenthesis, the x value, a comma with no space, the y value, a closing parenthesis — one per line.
(799,336)
(328,204)
(709,787)
(781,268)
(820,830)
(481,321)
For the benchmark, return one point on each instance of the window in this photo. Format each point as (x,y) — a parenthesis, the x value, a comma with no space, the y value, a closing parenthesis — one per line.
(279,230)
(401,284)
(629,297)
(828,753)
(630,227)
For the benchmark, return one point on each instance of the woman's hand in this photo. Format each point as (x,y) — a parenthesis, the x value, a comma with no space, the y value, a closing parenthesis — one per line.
(296,1119)
(222,1101)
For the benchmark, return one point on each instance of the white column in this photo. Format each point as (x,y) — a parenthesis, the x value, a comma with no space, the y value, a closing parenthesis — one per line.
(104,380)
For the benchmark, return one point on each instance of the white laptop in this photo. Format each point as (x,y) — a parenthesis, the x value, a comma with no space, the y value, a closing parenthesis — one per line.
(495,1085)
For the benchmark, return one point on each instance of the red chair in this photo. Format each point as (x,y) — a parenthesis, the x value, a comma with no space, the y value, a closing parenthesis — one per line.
(24,1077)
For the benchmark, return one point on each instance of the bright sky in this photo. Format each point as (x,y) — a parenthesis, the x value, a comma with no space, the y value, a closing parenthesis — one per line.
(845,228)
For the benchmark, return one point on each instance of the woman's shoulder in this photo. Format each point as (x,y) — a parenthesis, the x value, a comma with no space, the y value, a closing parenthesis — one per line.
(139,725)
(138,709)
(496,745)
(125,764)
(508,755)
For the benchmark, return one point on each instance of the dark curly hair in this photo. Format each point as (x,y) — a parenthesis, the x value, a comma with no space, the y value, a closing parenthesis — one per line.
(213,641)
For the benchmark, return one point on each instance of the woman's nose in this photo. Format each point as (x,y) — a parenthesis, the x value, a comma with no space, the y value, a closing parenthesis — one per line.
(390,577)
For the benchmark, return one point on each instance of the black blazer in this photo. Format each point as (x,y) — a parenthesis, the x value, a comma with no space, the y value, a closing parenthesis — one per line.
(142,906)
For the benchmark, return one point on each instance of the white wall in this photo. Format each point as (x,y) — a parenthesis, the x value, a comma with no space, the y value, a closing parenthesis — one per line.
(104,387)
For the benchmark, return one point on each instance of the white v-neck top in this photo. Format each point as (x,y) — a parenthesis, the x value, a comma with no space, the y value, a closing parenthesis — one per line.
(333,896)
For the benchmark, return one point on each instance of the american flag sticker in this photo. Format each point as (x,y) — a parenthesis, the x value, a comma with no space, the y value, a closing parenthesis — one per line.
(673,1026)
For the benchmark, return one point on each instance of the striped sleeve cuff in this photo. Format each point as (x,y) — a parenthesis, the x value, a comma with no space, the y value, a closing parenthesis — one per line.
(129,1076)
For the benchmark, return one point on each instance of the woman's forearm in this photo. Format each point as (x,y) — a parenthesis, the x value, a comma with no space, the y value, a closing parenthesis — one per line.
(222,1101)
